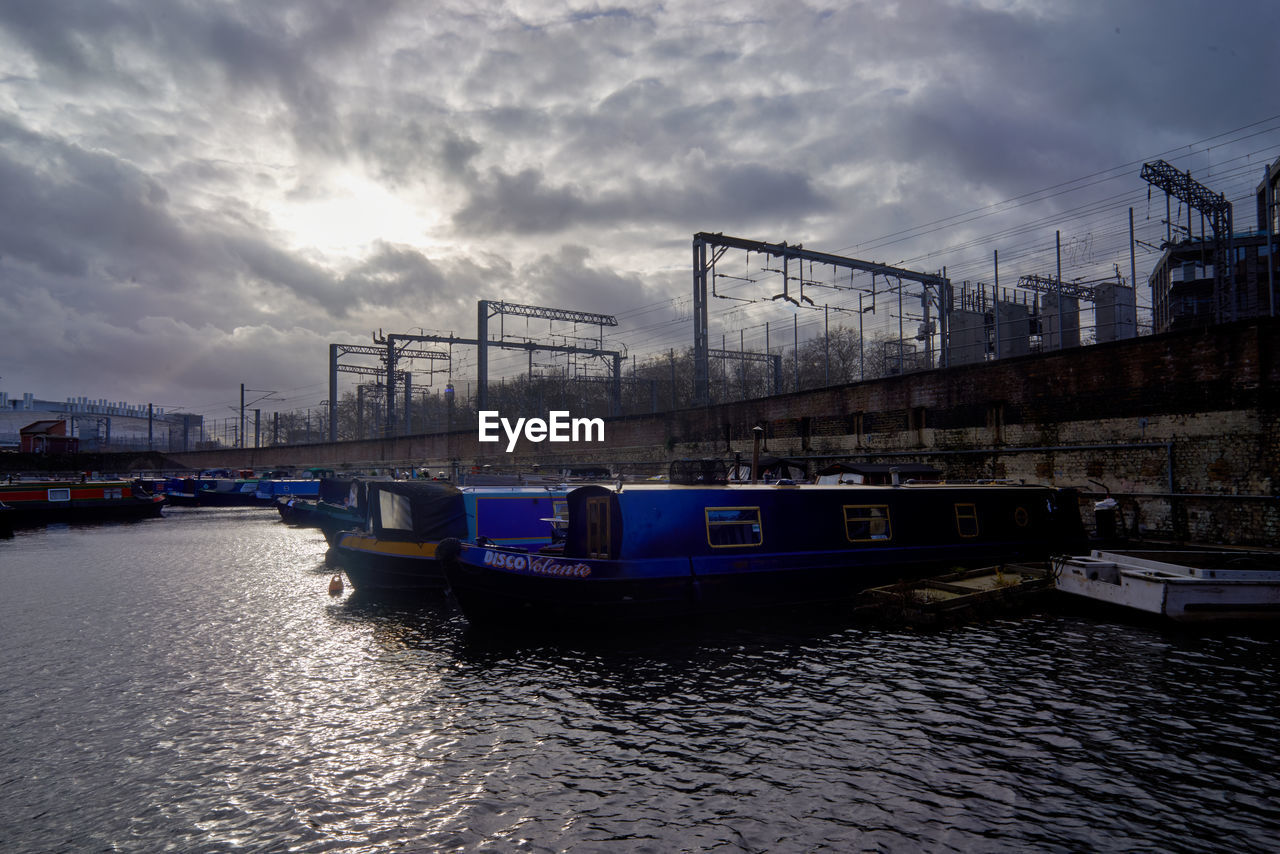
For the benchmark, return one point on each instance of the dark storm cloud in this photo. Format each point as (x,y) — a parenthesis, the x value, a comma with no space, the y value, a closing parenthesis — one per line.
(395,275)
(227,50)
(523,204)
(1021,98)
(63,207)
(56,33)
(753,193)
(572,277)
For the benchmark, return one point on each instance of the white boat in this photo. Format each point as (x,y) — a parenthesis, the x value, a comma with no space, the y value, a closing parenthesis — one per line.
(1187,586)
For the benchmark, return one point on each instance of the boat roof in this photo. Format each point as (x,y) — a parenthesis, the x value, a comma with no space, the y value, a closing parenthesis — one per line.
(415,487)
(877,468)
(737,486)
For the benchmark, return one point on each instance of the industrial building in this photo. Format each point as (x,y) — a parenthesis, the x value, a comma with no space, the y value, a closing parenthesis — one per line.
(1040,315)
(1188,289)
(93,425)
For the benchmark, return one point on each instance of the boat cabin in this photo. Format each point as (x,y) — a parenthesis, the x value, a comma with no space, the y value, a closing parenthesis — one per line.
(893,523)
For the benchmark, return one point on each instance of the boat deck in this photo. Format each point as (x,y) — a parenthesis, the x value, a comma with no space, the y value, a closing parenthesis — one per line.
(961,595)
(1203,564)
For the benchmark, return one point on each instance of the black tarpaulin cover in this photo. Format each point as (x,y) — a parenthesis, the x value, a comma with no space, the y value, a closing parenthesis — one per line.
(416,510)
(335,489)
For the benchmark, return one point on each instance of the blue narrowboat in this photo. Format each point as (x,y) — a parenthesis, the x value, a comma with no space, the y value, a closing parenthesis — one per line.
(395,550)
(214,489)
(274,485)
(340,505)
(651,552)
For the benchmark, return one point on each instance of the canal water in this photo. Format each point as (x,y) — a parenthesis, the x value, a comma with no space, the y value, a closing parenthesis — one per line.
(187,684)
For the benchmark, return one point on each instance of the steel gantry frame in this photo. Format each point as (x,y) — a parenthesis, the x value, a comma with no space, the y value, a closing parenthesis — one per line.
(1215,206)
(392,347)
(387,351)
(704,267)
(1052,287)
(486,309)
(773,360)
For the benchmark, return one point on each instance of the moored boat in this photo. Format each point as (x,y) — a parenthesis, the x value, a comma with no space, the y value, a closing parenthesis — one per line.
(274,485)
(395,550)
(1183,585)
(340,506)
(657,552)
(215,489)
(406,520)
(38,502)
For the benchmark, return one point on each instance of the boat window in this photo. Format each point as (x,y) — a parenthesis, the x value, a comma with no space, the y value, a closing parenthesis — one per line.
(867,523)
(1021,518)
(733,526)
(394,511)
(967,520)
(560,508)
(598,527)
(63,494)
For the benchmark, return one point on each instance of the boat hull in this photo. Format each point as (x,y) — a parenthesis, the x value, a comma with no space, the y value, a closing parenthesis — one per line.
(1172,587)
(42,502)
(373,564)
(332,519)
(555,592)
(496,586)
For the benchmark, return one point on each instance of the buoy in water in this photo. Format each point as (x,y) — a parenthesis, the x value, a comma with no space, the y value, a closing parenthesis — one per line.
(335,584)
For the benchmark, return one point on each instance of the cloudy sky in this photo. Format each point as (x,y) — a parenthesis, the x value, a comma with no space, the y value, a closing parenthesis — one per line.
(201,194)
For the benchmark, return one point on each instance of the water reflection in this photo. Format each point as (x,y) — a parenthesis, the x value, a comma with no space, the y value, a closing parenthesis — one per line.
(191,685)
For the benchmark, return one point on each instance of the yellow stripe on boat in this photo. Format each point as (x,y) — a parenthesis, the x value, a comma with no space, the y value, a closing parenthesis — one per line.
(389,547)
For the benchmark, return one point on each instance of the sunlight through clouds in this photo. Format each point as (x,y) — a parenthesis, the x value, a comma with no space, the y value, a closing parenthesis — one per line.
(347,216)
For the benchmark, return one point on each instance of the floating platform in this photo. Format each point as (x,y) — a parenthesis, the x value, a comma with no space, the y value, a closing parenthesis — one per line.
(1189,586)
(960,596)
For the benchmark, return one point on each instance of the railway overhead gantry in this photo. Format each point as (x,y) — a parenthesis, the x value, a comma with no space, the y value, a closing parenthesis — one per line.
(709,248)
(394,347)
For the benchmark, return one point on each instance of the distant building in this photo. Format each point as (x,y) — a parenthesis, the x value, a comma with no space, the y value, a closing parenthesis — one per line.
(1183,280)
(1268,189)
(47,437)
(1115,311)
(1182,283)
(95,425)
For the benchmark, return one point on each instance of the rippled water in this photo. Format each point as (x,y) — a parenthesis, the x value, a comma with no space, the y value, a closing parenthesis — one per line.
(187,684)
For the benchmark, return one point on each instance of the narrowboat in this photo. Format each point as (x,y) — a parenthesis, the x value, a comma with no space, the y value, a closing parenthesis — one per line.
(38,502)
(300,510)
(215,489)
(273,485)
(340,506)
(645,552)
(407,519)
